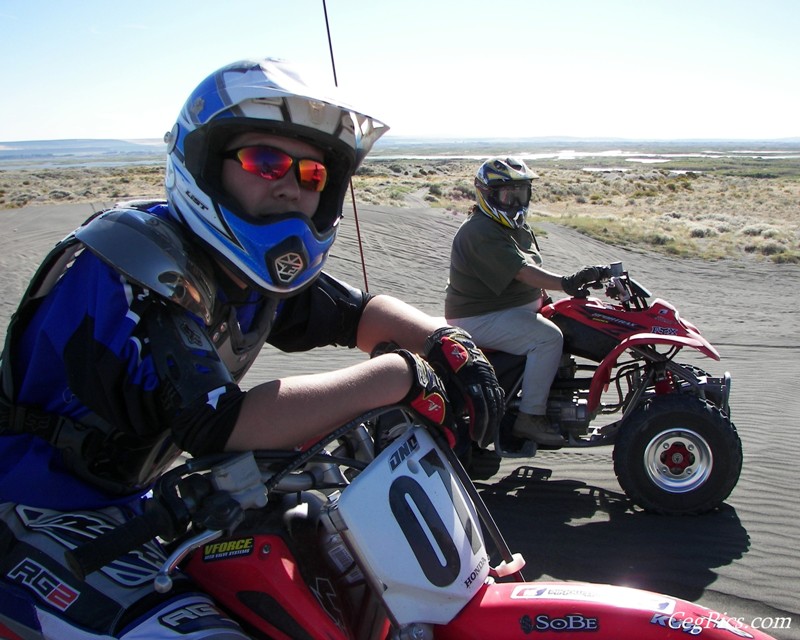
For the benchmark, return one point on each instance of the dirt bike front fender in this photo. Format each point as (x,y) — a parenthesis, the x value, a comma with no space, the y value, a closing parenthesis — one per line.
(603,374)
(560,610)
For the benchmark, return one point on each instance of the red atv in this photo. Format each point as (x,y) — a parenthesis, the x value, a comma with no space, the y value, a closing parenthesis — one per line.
(676,450)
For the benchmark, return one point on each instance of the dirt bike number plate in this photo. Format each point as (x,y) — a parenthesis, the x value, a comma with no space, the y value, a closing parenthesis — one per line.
(410,521)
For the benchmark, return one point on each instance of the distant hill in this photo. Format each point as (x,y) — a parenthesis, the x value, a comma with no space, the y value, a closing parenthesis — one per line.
(30,149)
(110,152)
(485,146)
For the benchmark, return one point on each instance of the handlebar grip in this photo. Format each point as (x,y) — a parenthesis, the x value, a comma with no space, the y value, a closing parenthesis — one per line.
(606,272)
(134,533)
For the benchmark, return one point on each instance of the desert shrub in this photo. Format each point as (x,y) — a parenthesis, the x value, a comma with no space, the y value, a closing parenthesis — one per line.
(461,192)
(754,230)
(659,239)
(772,248)
(702,232)
(368,170)
(787,257)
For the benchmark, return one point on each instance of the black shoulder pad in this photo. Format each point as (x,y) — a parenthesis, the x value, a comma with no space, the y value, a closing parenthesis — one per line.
(187,364)
(327,313)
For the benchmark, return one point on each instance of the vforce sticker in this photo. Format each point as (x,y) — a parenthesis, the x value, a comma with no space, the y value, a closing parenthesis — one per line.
(228,549)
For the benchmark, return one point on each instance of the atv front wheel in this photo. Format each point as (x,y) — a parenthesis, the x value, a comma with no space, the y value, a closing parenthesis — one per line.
(678,454)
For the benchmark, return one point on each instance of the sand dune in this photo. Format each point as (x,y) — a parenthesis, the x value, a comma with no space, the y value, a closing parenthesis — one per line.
(564,510)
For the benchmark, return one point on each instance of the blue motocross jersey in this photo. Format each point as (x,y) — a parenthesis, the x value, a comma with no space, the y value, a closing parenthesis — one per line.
(81,353)
(87,353)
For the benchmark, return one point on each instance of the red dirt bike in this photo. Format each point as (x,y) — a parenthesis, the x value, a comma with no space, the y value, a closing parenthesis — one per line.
(676,450)
(345,541)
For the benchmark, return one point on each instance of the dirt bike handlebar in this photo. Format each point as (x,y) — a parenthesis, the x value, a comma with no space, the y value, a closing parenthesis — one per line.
(168,514)
(154,522)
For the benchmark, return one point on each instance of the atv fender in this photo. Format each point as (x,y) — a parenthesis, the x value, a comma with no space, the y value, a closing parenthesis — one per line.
(603,374)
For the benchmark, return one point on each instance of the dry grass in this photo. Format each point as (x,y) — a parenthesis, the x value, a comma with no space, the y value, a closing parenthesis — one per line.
(712,213)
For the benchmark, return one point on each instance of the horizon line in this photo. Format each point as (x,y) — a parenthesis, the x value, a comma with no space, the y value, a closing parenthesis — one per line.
(451,139)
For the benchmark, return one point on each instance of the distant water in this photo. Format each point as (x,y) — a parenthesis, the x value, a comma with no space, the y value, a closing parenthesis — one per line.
(607,150)
(49,154)
(608,154)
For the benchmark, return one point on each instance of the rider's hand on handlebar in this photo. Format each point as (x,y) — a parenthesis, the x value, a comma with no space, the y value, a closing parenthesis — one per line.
(428,396)
(470,379)
(573,284)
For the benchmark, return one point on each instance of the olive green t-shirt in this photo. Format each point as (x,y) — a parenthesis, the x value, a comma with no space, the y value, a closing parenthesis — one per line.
(484,260)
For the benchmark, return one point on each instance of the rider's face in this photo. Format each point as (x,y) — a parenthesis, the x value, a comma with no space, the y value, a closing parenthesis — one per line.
(258,196)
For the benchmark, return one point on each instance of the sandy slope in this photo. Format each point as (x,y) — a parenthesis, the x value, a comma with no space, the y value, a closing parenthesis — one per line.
(564,510)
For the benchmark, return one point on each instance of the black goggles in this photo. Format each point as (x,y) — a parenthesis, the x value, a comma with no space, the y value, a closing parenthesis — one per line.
(513,194)
(273,164)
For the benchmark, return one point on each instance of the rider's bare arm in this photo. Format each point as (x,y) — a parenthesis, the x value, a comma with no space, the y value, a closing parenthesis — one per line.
(284,413)
(537,277)
(387,319)
(287,412)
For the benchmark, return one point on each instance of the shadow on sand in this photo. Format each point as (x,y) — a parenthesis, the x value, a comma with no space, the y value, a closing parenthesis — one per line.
(569,530)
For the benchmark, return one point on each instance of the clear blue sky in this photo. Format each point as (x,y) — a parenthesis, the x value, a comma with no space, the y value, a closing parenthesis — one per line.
(451,68)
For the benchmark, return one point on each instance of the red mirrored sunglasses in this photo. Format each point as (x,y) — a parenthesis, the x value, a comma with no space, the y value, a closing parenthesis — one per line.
(273,164)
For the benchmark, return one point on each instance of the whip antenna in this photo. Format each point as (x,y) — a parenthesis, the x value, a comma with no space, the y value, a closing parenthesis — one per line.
(352,191)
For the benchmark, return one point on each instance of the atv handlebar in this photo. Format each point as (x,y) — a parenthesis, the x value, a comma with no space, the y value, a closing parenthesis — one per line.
(618,286)
(605,273)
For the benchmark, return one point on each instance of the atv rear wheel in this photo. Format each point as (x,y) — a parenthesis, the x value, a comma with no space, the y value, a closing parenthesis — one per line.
(678,454)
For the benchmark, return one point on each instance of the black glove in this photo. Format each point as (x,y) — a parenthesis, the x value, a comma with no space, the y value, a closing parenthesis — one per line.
(572,284)
(469,379)
(428,396)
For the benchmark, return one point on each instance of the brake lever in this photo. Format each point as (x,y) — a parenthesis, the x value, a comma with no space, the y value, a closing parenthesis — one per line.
(162,583)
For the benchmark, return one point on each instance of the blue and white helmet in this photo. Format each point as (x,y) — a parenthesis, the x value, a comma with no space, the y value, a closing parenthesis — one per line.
(278,254)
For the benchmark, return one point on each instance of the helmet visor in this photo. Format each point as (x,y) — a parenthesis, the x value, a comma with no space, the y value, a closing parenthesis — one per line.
(273,164)
(513,195)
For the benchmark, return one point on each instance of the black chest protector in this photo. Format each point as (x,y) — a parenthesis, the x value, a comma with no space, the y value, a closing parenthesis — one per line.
(151,252)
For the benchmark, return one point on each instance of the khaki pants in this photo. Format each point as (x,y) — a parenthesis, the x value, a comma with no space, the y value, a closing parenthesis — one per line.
(521,331)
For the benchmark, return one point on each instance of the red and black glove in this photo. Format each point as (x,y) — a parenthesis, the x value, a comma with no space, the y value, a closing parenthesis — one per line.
(428,396)
(469,379)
